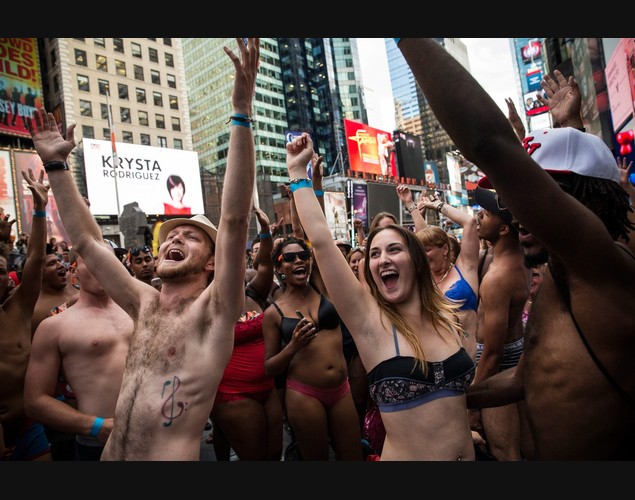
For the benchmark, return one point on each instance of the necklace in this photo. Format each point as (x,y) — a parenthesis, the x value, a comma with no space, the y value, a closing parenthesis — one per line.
(446,274)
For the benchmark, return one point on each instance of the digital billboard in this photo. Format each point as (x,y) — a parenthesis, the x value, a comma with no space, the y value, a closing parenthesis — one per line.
(532,105)
(620,79)
(410,162)
(162,181)
(370,150)
(7,196)
(20,84)
(25,160)
(335,212)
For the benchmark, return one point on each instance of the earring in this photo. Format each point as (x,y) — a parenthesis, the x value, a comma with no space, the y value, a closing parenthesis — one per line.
(283,277)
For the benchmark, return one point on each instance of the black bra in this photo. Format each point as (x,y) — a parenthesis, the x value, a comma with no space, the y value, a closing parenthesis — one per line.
(399,383)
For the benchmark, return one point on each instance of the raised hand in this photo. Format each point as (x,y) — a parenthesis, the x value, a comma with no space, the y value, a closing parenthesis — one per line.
(563,98)
(405,194)
(5,228)
(274,228)
(38,189)
(246,71)
(514,118)
(48,142)
(263,220)
(317,169)
(299,152)
(625,171)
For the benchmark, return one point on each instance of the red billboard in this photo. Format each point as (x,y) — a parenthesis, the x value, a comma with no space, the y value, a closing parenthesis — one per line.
(20,84)
(531,52)
(370,150)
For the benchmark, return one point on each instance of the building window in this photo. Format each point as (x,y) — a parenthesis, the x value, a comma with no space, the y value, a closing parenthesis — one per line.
(145,139)
(106,133)
(53,57)
(118,44)
(85,108)
(80,58)
(125,115)
(80,39)
(160,119)
(155,76)
(56,84)
(141,95)
(104,111)
(143,118)
(169,60)
(88,132)
(178,144)
(100,42)
(136,50)
(176,124)
(174,102)
(83,83)
(153,54)
(103,87)
(122,88)
(163,142)
(157,97)
(120,66)
(101,63)
(126,135)
(167,41)
(138,72)
(171,81)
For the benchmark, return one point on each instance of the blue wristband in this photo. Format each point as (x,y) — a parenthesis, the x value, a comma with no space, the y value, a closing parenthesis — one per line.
(39,213)
(94,430)
(242,124)
(264,236)
(300,183)
(318,192)
(397,40)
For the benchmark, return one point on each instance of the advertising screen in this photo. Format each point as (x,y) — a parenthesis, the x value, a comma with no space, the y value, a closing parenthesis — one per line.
(7,197)
(162,181)
(409,156)
(370,150)
(25,160)
(532,105)
(20,84)
(619,83)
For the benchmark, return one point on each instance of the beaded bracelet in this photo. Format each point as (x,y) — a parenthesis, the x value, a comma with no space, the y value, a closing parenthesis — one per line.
(241,120)
(299,183)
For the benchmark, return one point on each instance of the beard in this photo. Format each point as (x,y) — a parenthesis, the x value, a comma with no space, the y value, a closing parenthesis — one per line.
(536,257)
(183,270)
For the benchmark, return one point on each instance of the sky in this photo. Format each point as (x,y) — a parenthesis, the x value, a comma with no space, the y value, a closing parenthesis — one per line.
(490,63)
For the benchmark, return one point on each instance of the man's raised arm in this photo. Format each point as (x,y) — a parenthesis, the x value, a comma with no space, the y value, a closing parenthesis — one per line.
(82,229)
(237,196)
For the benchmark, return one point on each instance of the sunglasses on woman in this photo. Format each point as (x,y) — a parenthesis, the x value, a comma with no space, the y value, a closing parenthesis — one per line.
(291,256)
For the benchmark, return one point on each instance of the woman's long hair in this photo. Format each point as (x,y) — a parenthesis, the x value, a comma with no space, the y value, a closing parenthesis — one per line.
(441,312)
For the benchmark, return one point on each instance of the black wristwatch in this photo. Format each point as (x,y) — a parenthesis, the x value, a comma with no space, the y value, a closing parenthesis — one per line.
(49,166)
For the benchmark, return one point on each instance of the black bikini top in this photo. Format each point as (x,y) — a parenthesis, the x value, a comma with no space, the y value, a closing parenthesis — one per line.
(328,319)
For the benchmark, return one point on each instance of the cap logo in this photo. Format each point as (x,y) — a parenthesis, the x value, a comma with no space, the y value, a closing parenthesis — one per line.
(529,146)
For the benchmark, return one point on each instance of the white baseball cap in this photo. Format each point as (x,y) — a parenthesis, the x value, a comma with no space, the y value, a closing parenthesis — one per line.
(568,150)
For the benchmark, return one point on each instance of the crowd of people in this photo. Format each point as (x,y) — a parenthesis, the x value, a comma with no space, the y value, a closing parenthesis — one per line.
(511,344)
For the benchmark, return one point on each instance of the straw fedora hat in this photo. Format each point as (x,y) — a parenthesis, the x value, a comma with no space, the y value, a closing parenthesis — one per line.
(199,221)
